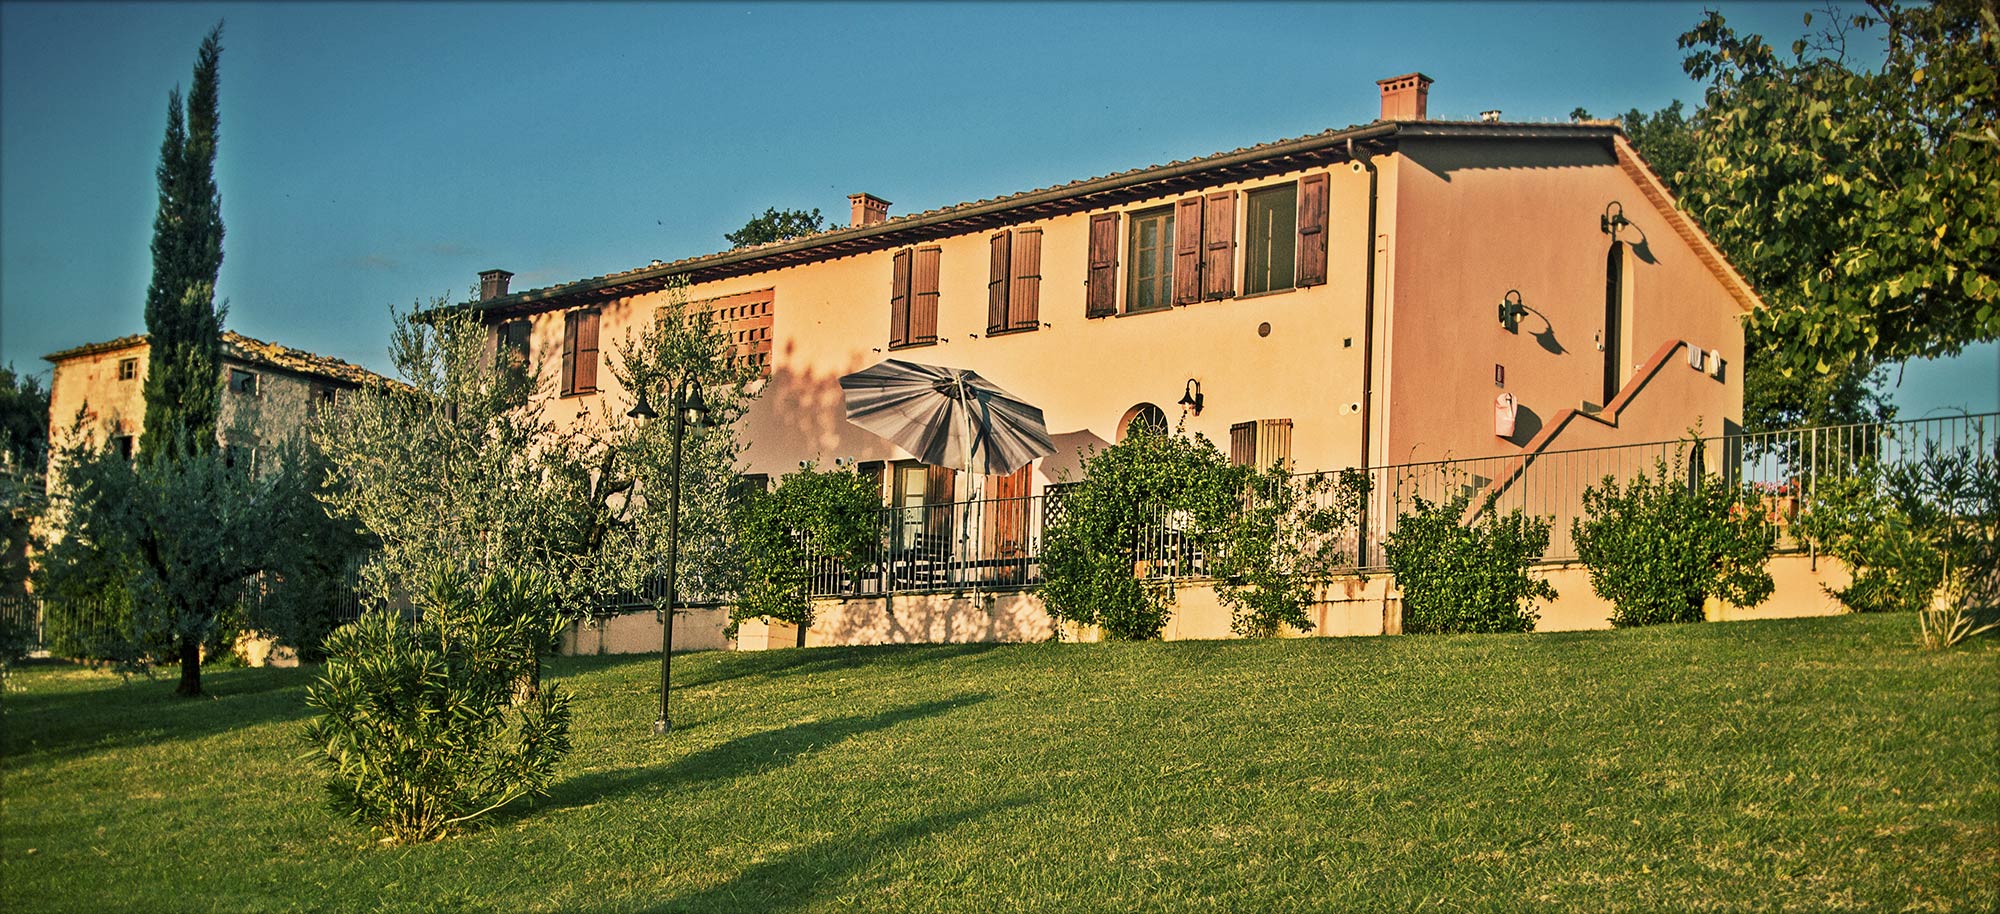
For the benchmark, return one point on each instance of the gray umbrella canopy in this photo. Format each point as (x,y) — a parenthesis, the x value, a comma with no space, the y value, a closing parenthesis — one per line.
(947,417)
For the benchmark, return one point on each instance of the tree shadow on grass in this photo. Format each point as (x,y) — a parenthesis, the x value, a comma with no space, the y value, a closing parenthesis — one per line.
(795,880)
(48,721)
(799,661)
(745,756)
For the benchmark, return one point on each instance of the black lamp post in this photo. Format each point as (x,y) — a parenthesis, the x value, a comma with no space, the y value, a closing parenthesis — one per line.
(688,409)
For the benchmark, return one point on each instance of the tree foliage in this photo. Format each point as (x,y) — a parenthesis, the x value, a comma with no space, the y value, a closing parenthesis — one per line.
(424,726)
(1914,531)
(462,468)
(776,225)
(1863,204)
(1658,548)
(167,545)
(1290,533)
(777,536)
(183,325)
(24,417)
(1460,576)
(1144,506)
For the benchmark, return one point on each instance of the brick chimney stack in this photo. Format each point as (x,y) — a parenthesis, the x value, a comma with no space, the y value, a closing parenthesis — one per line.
(1404,97)
(868,209)
(493,284)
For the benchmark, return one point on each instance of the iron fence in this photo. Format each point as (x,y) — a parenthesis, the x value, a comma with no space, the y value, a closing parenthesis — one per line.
(997,543)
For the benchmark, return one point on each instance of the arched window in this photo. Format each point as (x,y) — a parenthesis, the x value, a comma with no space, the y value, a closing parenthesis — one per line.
(1154,417)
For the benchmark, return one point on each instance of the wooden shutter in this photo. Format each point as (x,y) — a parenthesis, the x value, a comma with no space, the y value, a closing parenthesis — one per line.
(899,300)
(1218,221)
(1006,514)
(924,296)
(1243,444)
(1312,230)
(1000,269)
(1024,302)
(1101,292)
(569,354)
(586,352)
(1187,251)
(938,495)
(1274,443)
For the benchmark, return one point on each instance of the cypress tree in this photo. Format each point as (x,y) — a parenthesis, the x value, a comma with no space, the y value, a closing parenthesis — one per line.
(184,375)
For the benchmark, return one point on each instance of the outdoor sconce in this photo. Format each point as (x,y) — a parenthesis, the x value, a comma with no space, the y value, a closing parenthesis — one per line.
(1612,219)
(1191,396)
(1511,310)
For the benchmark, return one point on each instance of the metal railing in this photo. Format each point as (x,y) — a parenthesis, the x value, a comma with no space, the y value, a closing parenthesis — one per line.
(996,543)
(1784,466)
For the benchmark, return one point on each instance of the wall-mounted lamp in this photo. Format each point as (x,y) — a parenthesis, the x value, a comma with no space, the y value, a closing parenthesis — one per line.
(1612,219)
(1191,396)
(1511,310)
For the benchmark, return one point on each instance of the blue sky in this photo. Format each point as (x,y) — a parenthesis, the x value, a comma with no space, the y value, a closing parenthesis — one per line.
(377,153)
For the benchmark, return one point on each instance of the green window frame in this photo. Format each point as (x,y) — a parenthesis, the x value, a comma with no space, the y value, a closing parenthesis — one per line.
(1149,284)
(1271,247)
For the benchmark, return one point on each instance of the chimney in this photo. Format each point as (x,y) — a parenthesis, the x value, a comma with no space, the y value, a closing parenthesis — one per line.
(868,209)
(1404,97)
(493,284)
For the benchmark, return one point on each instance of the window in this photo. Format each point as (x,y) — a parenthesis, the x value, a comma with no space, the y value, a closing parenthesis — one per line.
(1261,443)
(1146,414)
(1270,242)
(913,298)
(1150,251)
(240,457)
(320,394)
(124,445)
(512,346)
(242,382)
(1014,286)
(579,354)
(922,498)
(128,369)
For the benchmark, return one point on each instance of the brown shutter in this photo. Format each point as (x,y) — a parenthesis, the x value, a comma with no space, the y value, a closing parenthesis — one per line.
(569,354)
(1312,230)
(1187,251)
(1218,219)
(924,296)
(1243,444)
(1000,268)
(938,495)
(1024,303)
(1101,296)
(899,300)
(586,352)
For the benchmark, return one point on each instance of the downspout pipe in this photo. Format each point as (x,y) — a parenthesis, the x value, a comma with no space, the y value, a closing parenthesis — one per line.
(1367,337)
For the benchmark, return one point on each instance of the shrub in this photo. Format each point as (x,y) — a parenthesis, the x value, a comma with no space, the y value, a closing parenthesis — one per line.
(430,723)
(1288,535)
(1151,488)
(779,534)
(1920,536)
(1658,548)
(1467,577)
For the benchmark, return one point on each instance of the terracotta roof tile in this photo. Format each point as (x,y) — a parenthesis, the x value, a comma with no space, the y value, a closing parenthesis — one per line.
(250,350)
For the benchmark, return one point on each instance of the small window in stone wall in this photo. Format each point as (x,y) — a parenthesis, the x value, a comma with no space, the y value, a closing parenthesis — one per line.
(124,445)
(242,382)
(128,369)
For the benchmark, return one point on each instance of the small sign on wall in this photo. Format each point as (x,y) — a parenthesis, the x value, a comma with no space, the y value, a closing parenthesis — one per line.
(1503,415)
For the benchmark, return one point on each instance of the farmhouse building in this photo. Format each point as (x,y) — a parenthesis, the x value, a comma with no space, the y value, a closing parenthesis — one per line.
(1404,290)
(268,391)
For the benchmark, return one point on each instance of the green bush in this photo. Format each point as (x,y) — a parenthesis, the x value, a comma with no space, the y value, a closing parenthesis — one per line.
(778,534)
(1467,577)
(1658,550)
(1919,536)
(1288,536)
(1150,488)
(430,723)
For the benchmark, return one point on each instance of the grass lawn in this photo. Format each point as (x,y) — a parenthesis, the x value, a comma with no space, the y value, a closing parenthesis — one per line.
(1809,765)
